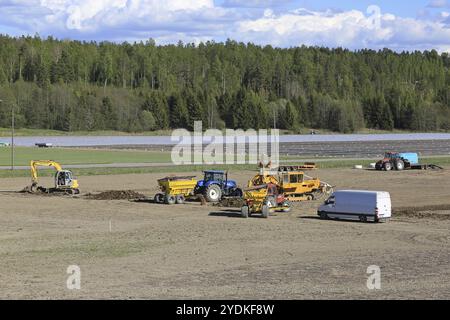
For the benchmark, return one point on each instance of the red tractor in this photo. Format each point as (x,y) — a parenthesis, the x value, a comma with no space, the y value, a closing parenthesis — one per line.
(397,161)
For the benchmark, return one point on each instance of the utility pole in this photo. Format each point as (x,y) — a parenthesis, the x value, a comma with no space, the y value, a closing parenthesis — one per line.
(12,137)
(274,118)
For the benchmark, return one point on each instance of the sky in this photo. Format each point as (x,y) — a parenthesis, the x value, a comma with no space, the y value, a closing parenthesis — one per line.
(398,25)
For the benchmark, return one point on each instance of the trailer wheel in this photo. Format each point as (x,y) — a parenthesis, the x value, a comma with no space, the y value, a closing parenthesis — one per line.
(387,166)
(180,199)
(170,199)
(245,211)
(265,212)
(399,165)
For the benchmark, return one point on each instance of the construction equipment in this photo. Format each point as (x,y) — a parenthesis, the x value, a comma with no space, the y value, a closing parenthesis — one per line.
(215,186)
(402,161)
(65,182)
(264,199)
(295,185)
(175,189)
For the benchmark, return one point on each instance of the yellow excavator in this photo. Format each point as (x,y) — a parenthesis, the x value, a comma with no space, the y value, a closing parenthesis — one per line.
(65,182)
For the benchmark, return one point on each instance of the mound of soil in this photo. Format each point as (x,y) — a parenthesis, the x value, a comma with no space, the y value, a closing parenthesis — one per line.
(438,212)
(116,195)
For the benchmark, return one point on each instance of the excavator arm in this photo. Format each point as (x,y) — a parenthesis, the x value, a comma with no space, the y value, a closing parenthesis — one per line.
(42,163)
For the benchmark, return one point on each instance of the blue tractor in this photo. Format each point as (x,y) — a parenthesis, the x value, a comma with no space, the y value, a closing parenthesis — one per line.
(216,185)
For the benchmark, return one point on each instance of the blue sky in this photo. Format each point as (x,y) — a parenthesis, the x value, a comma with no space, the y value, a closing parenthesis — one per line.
(399,25)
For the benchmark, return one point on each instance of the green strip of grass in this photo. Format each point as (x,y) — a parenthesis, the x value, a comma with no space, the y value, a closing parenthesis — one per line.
(23,132)
(67,156)
(441,161)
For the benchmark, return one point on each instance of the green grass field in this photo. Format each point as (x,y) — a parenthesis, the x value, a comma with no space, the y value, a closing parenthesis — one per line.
(67,156)
(74,156)
(23,132)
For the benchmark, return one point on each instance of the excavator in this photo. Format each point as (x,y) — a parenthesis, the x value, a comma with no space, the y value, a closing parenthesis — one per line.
(65,182)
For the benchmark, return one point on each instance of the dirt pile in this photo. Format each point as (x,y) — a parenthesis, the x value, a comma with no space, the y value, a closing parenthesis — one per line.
(116,195)
(439,212)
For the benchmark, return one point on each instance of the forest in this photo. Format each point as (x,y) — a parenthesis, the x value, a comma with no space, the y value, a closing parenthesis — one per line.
(74,85)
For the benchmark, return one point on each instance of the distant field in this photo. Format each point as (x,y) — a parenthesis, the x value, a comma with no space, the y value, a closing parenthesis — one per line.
(6,132)
(323,164)
(67,156)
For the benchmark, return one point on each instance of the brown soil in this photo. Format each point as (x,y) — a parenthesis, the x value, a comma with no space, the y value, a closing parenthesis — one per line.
(115,195)
(136,250)
(440,212)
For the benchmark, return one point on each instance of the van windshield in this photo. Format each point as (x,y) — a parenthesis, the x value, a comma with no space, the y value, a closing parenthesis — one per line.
(331,200)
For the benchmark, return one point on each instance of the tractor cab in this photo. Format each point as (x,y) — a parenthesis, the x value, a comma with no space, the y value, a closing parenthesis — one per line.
(218,176)
(391,155)
(292,178)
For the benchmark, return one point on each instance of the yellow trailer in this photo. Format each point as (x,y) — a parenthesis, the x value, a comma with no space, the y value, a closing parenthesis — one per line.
(175,189)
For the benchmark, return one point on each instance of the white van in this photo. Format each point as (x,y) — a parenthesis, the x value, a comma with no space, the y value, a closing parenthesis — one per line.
(357,205)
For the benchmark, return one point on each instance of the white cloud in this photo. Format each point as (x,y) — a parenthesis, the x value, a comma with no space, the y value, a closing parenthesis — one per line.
(202,20)
(351,29)
(438,4)
(255,3)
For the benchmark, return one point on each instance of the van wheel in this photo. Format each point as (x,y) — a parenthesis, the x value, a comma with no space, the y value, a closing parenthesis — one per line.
(323,215)
(363,218)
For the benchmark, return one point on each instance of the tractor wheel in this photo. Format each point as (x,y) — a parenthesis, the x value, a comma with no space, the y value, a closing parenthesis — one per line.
(399,165)
(245,210)
(287,206)
(265,212)
(213,193)
(159,198)
(180,199)
(270,202)
(170,199)
(387,166)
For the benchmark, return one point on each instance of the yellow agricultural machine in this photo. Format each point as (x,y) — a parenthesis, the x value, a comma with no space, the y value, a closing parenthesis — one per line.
(294,184)
(175,189)
(264,199)
(65,182)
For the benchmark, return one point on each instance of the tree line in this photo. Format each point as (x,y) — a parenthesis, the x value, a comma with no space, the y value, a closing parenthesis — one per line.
(74,85)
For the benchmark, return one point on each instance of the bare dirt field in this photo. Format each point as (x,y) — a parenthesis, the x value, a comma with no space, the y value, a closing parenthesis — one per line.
(189,251)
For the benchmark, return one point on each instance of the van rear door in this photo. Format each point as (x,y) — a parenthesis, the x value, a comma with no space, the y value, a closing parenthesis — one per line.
(384,205)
